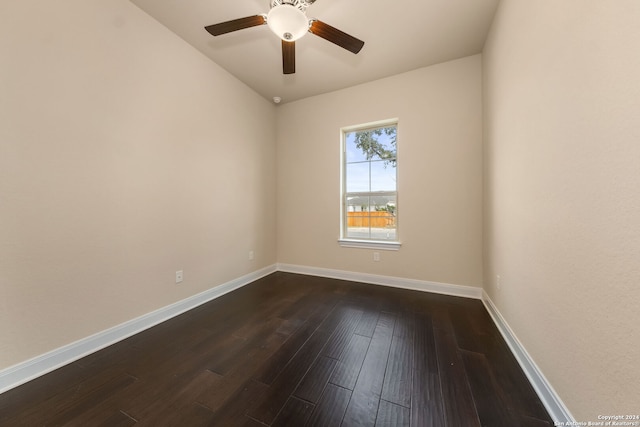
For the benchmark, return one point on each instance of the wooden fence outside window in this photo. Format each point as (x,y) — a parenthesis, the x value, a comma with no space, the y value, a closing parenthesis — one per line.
(377,219)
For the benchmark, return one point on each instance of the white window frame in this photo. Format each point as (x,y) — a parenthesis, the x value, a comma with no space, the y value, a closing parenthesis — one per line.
(392,245)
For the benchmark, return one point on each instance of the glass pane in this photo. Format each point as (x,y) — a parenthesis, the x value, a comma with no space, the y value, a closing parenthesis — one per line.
(383,218)
(357,203)
(357,222)
(357,177)
(386,139)
(352,152)
(383,176)
(371,217)
(371,144)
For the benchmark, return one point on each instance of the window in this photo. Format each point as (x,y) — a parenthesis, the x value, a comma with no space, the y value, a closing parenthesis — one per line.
(369,186)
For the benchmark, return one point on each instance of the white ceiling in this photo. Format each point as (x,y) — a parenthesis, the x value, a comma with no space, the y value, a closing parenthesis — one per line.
(399,36)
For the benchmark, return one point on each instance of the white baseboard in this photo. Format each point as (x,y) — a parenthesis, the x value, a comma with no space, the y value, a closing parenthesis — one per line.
(38,366)
(395,282)
(550,399)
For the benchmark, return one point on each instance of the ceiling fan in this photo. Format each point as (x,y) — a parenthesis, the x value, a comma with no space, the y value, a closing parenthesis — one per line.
(288,20)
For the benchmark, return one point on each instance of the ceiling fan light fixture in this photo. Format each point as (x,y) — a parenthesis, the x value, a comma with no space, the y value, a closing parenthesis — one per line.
(287,22)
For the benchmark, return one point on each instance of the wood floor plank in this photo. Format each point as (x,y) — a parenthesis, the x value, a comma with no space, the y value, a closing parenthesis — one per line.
(289,326)
(303,306)
(165,402)
(428,414)
(426,395)
(61,416)
(267,310)
(249,422)
(316,379)
(233,412)
(397,380)
(330,409)
(286,382)
(286,352)
(246,368)
(425,345)
(296,412)
(53,386)
(146,363)
(117,419)
(169,383)
(74,399)
(392,415)
(466,337)
(526,421)
(224,359)
(348,368)
(363,406)
(459,406)
(170,376)
(513,381)
(490,400)
(367,324)
(405,324)
(343,333)
(193,415)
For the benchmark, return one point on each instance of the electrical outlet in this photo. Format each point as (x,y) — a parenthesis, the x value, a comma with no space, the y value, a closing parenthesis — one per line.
(498,283)
(251,255)
(179,276)
(376,256)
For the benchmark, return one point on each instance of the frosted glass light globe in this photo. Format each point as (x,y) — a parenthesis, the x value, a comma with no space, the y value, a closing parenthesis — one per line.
(287,22)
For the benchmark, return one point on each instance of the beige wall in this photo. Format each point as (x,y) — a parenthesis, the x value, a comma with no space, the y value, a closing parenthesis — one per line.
(562,193)
(125,155)
(439,174)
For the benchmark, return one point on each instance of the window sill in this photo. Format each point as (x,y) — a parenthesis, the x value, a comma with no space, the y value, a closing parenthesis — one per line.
(370,244)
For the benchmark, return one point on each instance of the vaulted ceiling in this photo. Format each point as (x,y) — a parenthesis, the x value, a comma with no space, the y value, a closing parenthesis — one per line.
(399,36)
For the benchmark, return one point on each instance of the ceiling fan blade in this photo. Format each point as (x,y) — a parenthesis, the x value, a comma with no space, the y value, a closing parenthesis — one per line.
(288,57)
(335,36)
(235,25)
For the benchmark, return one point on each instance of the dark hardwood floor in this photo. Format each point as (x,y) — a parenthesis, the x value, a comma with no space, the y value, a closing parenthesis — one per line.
(293,350)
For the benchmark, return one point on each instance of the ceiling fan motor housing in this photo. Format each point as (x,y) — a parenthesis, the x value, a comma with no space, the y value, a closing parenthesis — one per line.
(300,4)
